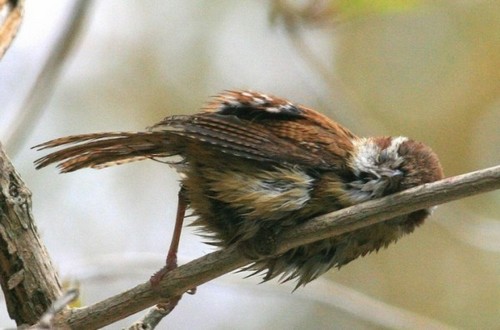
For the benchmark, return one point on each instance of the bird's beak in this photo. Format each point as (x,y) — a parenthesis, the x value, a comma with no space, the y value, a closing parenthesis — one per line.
(395,175)
(393,178)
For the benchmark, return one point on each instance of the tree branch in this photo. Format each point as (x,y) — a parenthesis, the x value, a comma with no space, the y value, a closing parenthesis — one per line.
(221,262)
(28,279)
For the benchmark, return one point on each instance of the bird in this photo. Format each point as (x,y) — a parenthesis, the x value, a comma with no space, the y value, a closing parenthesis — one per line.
(253,165)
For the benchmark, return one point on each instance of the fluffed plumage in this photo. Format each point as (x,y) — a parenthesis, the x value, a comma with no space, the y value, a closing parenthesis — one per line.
(254,165)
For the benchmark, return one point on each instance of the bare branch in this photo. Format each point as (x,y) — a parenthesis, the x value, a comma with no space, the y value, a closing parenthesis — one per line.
(28,279)
(218,263)
(405,202)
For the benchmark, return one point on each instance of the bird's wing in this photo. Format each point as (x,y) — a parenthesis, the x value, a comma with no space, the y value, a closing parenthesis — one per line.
(265,128)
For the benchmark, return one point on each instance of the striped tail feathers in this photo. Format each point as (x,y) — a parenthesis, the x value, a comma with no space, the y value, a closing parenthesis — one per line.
(101,150)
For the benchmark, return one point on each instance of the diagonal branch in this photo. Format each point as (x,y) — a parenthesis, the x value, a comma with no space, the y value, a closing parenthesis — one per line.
(221,262)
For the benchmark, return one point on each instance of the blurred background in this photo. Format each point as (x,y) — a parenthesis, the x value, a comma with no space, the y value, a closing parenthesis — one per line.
(429,70)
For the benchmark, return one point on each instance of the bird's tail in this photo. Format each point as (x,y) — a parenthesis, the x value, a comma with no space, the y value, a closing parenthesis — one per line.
(106,149)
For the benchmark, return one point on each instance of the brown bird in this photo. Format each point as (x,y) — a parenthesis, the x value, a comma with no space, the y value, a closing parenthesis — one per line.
(253,165)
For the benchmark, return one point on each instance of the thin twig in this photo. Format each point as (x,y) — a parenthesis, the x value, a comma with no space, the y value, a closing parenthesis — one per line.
(221,262)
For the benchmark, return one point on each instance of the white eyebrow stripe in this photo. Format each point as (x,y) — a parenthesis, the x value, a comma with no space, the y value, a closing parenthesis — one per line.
(395,144)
